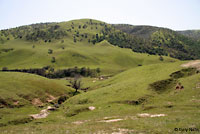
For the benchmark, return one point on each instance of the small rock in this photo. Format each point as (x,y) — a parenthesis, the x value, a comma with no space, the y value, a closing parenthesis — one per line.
(157,115)
(56,105)
(144,115)
(51,108)
(91,108)
(112,120)
(151,115)
(16,102)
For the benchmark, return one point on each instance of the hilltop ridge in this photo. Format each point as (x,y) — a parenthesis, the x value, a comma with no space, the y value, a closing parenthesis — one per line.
(142,39)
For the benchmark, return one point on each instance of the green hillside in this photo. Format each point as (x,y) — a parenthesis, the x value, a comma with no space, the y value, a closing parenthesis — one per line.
(24,87)
(143,39)
(163,41)
(140,31)
(140,84)
(195,34)
(124,97)
(78,47)
(21,94)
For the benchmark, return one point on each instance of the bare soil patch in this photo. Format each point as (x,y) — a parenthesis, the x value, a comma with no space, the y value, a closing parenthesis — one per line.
(37,102)
(151,115)
(193,64)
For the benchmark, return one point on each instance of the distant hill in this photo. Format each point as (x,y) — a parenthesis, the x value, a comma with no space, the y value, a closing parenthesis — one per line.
(195,34)
(140,31)
(156,40)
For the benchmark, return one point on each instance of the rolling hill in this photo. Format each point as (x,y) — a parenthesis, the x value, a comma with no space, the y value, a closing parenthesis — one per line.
(195,34)
(141,86)
(77,47)
(143,39)
(163,41)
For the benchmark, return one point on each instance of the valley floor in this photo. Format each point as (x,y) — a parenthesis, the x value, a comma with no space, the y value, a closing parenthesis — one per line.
(121,104)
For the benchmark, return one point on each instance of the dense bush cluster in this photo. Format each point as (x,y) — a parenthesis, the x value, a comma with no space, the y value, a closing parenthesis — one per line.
(50,72)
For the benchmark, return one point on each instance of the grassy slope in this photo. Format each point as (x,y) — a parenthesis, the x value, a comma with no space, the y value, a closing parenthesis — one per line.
(23,88)
(103,55)
(128,85)
(13,85)
(133,84)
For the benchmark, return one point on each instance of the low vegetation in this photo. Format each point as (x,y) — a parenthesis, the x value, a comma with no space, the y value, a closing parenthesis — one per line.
(50,72)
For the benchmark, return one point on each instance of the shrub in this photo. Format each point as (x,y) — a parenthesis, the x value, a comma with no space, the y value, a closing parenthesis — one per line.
(4,68)
(62,99)
(162,85)
(50,51)
(53,60)
(74,40)
(161,58)
(183,73)
(20,121)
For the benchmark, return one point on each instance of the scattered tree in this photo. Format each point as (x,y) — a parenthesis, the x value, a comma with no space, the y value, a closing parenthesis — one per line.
(76,83)
(85,35)
(53,59)
(98,70)
(74,40)
(4,68)
(161,58)
(50,51)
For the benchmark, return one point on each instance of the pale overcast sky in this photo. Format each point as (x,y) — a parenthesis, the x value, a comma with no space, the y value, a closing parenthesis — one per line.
(174,14)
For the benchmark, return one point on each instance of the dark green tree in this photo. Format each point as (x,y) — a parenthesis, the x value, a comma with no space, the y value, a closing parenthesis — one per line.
(50,51)
(53,59)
